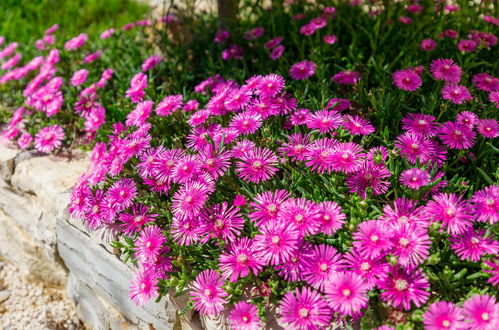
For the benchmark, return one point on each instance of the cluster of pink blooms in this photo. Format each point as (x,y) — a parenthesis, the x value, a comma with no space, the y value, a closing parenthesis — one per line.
(386,254)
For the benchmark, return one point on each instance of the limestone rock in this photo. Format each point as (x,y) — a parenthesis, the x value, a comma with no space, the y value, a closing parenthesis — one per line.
(7,157)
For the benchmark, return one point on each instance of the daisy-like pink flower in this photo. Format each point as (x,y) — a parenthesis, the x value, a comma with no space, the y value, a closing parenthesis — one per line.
(467,46)
(188,200)
(415,178)
(443,315)
(169,105)
(221,222)
(186,169)
(296,147)
(347,77)
(330,39)
(320,267)
(299,117)
(371,270)
(76,42)
(452,211)
(403,286)
(293,270)
(185,231)
(258,165)
(239,259)
(338,104)
(270,85)
(407,80)
(246,122)
(137,85)
(79,77)
(277,242)
(473,244)
(457,94)
(143,287)
(331,218)
(149,244)
(207,293)
(457,136)
(414,147)
(467,118)
(266,206)
(302,70)
(494,98)
(486,82)
(304,310)
(411,244)
(445,69)
(481,312)
(494,271)
(488,128)
(369,176)
(371,239)
(277,52)
(122,194)
(428,44)
(346,293)
(356,125)
(140,114)
(318,156)
(133,222)
(24,141)
(151,62)
(302,214)
(485,204)
(273,42)
(244,316)
(346,157)
(49,138)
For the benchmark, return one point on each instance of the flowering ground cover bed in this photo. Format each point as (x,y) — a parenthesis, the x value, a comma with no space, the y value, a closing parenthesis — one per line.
(331,163)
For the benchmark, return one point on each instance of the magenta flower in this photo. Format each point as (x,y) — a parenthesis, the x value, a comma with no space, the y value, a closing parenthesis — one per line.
(133,222)
(494,271)
(294,269)
(277,52)
(318,155)
(346,293)
(457,136)
(151,62)
(149,244)
(137,86)
(188,200)
(277,242)
(140,114)
(330,217)
(451,211)
(207,293)
(357,125)
(488,128)
(486,82)
(304,310)
(302,214)
(428,44)
(457,94)
(346,157)
(266,206)
(330,39)
(270,85)
(415,147)
(443,315)
(122,194)
(76,42)
(472,245)
(415,178)
(259,164)
(467,118)
(466,45)
(371,239)
(485,204)
(239,259)
(371,270)
(445,69)
(321,266)
(49,138)
(324,121)
(369,176)
(273,42)
(24,141)
(186,231)
(246,122)
(481,312)
(411,244)
(169,105)
(79,77)
(404,286)
(296,147)
(143,287)
(244,316)
(347,77)
(302,70)
(221,222)
(407,80)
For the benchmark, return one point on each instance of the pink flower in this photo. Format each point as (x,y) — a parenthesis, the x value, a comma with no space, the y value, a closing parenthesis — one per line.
(207,293)
(270,85)
(246,122)
(89,58)
(318,156)
(405,20)
(486,82)
(346,293)
(404,286)
(457,94)
(11,62)
(76,42)
(254,33)
(149,244)
(259,164)
(188,200)
(107,33)
(411,244)
(240,258)
(445,69)
(302,70)
(472,245)
(221,222)
(428,44)
(302,214)
(371,239)
(371,270)
(494,98)
(49,138)
(151,62)
(457,136)
(321,266)
(414,147)
(169,105)
(494,265)
(137,85)
(481,312)
(133,222)
(266,206)
(122,194)
(488,128)
(143,287)
(273,43)
(407,80)
(485,204)
(244,316)
(79,77)
(466,45)
(140,114)
(330,39)
(277,242)
(415,178)
(186,231)
(331,218)
(369,176)
(346,157)
(451,211)
(443,315)
(221,36)
(24,141)
(347,77)
(304,310)
(357,125)
(296,147)
(324,121)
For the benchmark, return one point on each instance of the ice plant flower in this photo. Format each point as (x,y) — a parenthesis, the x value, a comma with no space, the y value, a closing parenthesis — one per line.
(403,287)
(304,309)
(485,204)
(49,138)
(452,211)
(457,136)
(259,164)
(149,244)
(457,94)
(244,316)
(371,239)
(445,69)
(415,178)
(277,242)
(407,80)
(481,312)
(473,244)
(144,287)
(302,70)
(239,259)
(443,315)
(347,77)
(346,293)
(321,266)
(207,293)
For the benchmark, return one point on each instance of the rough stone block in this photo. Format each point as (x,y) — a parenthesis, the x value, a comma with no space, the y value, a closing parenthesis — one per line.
(8,155)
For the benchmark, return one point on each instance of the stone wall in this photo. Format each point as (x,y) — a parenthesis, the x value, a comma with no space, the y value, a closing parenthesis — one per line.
(39,238)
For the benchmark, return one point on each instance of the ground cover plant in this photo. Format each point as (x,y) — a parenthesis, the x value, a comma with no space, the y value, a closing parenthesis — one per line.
(313,163)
